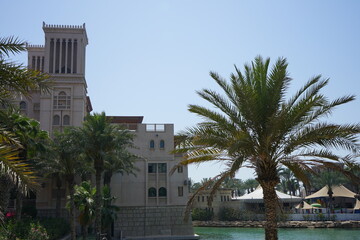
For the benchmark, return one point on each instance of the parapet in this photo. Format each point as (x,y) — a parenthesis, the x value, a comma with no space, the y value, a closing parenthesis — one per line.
(63,26)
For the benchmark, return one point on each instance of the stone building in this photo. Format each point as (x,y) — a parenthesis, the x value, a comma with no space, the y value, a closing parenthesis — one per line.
(152,202)
(221,199)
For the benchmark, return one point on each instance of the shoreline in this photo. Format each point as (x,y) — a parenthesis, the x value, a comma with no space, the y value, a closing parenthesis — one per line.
(287,224)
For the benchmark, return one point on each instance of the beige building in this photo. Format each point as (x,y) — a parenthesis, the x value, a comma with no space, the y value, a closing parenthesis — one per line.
(63,57)
(221,199)
(152,202)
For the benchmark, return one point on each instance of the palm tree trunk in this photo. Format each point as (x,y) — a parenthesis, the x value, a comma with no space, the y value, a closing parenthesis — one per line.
(19,203)
(5,187)
(58,197)
(72,208)
(107,177)
(85,232)
(271,203)
(98,203)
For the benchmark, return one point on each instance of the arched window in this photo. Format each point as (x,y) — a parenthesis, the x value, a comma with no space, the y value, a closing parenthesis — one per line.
(152,192)
(162,144)
(152,144)
(56,120)
(66,120)
(23,105)
(162,192)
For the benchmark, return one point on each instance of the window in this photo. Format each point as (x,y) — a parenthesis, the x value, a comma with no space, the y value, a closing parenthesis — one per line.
(152,144)
(180,169)
(62,101)
(221,198)
(198,198)
(23,105)
(152,192)
(180,191)
(162,144)
(152,167)
(202,198)
(162,167)
(66,120)
(162,192)
(56,120)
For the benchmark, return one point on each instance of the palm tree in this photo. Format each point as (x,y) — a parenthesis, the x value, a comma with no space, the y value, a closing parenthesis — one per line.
(330,179)
(84,195)
(120,160)
(109,211)
(255,126)
(250,185)
(288,181)
(16,78)
(32,140)
(65,162)
(100,140)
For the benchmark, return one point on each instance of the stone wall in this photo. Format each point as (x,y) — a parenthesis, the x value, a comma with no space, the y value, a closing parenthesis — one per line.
(152,221)
(287,224)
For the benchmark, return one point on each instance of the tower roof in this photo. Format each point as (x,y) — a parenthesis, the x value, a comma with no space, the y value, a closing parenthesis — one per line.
(55,28)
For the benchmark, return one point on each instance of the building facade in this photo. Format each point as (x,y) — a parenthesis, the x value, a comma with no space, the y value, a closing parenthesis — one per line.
(63,58)
(152,202)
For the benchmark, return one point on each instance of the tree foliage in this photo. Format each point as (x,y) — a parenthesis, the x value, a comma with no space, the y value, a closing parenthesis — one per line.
(253,124)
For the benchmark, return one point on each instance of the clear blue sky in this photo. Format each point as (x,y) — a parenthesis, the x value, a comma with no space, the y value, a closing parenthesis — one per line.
(149,57)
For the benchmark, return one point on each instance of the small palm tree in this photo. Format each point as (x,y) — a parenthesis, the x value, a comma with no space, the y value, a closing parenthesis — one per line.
(108,211)
(84,195)
(255,126)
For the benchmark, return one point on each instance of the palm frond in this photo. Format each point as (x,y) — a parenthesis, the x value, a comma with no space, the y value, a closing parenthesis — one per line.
(11,45)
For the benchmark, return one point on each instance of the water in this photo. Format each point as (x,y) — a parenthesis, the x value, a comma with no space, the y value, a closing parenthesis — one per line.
(211,233)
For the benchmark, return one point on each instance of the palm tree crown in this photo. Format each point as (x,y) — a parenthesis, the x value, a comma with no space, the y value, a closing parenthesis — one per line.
(255,126)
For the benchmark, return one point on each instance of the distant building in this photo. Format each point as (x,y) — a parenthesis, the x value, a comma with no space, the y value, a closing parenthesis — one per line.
(152,202)
(221,199)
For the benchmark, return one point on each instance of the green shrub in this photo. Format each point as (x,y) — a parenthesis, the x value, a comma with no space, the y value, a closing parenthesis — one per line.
(37,232)
(55,227)
(199,214)
(282,216)
(320,217)
(229,214)
(307,217)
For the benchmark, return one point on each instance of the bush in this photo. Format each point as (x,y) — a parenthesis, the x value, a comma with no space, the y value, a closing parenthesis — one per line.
(199,214)
(37,232)
(55,227)
(28,228)
(229,214)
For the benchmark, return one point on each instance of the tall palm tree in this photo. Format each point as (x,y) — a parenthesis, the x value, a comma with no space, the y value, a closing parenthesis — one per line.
(250,185)
(255,126)
(288,181)
(32,140)
(16,78)
(100,140)
(65,161)
(120,160)
(330,179)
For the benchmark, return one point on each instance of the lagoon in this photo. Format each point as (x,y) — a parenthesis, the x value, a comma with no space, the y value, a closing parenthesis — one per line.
(215,233)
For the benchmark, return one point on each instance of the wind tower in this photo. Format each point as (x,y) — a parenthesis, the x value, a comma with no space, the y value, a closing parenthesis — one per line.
(63,58)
